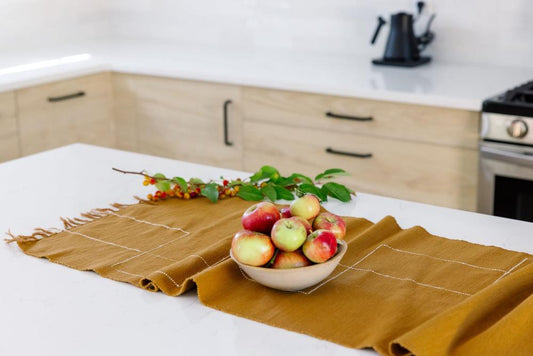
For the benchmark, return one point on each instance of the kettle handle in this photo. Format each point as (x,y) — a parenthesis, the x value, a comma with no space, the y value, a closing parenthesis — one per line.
(381,22)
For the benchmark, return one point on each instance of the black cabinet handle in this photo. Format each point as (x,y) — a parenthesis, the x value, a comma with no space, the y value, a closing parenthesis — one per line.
(348,117)
(54,99)
(351,154)
(226,140)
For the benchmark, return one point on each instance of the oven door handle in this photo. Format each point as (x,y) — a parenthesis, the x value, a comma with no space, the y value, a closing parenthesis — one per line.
(521,159)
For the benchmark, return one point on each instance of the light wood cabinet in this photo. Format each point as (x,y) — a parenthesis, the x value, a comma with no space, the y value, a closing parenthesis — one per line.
(413,152)
(416,123)
(179,119)
(417,153)
(64,112)
(9,136)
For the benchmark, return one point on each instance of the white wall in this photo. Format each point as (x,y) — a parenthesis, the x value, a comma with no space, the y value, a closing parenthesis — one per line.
(27,24)
(471,31)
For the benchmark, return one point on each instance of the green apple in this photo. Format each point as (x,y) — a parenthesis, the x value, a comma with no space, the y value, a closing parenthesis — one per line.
(288,234)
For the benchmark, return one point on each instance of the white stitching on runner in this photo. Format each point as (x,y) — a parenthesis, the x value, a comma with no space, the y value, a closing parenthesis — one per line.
(340,273)
(102,241)
(173,281)
(443,259)
(352,267)
(510,270)
(149,252)
(403,279)
(131,274)
(148,222)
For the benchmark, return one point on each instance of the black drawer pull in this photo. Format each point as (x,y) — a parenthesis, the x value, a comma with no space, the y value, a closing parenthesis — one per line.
(351,154)
(226,140)
(54,99)
(347,117)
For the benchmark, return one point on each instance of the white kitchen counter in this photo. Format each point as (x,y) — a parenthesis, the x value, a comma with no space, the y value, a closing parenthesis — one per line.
(437,84)
(49,309)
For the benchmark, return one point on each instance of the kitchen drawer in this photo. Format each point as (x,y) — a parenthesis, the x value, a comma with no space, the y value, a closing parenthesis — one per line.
(9,140)
(393,120)
(433,174)
(179,119)
(60,113)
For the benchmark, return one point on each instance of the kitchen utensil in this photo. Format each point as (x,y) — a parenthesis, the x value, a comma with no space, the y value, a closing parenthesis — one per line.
(403,46)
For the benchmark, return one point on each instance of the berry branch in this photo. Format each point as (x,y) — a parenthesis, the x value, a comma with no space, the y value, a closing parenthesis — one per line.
(265,183)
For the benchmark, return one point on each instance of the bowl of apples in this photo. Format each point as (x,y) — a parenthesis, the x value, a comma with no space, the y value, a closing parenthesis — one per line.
(291,248)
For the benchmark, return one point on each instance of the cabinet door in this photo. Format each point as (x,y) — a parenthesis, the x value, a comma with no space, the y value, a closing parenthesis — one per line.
(60,113)
(419,123)
(420,172)
(180,119)
(9,140)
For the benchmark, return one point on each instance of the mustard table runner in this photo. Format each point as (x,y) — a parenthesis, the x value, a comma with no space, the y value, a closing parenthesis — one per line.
(397,291)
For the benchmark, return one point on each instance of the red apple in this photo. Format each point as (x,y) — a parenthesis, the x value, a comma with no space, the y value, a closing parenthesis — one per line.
(306,223)
(331,222)
(290,259)
(320,246)
(307,206)
(285,212)
(260,217)
(252,248)
(288,234)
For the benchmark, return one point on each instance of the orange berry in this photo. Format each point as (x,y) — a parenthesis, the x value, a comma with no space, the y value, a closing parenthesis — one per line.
(158,193)
(149,196)
(236,189)
(227,191)
(171,193)
(186,196)
(163,195)
(146,182)
(233,193)
(152,181)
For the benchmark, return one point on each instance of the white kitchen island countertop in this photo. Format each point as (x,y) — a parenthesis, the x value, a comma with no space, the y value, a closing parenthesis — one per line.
(49,309)
(459,86)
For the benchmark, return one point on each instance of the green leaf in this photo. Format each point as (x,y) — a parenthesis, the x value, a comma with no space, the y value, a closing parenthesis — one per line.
(311,189)
(270,192)
(300,178)
(159,176)
(210,191)
(163,185)
(196,181)
(250,193)
(337,191)
(265,172)
(331,173)
(181,182)
(283,193)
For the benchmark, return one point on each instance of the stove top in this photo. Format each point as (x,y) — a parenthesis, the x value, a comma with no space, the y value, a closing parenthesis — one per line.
(516,101)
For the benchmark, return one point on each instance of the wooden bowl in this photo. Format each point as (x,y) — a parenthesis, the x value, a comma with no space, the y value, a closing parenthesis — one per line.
(294,279)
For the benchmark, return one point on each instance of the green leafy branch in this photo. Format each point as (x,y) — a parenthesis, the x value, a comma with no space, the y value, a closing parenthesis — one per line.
(267,183)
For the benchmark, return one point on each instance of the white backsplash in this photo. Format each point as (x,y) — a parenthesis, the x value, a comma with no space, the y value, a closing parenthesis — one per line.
(27,24)
(490,32)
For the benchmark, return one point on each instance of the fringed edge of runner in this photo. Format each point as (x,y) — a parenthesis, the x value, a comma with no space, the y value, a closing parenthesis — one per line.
(69,223)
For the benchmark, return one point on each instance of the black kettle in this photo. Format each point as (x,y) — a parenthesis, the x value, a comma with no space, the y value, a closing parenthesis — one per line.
(403,47)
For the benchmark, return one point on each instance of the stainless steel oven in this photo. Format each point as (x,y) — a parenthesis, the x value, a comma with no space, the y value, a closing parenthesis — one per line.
(506,181)
(505,186)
